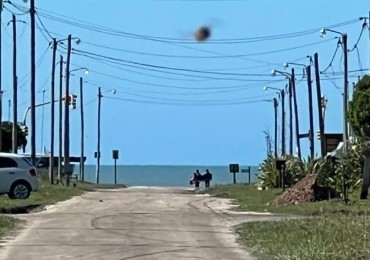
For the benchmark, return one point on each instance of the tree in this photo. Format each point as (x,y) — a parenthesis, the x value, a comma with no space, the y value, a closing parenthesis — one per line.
(359,108)
(6,128)
(359,117)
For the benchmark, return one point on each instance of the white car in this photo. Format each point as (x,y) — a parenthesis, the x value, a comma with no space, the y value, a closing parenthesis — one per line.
(18,177)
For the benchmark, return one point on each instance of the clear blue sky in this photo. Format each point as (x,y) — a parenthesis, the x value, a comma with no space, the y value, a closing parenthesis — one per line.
(176,117)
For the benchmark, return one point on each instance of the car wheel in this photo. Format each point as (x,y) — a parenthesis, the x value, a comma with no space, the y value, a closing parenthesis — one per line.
(20,190)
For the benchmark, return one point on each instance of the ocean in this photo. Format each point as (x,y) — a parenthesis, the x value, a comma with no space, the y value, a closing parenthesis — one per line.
(160,175)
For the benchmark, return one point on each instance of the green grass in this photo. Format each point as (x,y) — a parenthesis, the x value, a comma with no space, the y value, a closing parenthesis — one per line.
(343,237)
(46,195)
(332,230)
(6,225)
(251,199)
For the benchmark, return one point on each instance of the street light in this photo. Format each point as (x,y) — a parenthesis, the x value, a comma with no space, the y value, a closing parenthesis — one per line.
(292,93)
(345,89)
(281,92)
(307,69)
(54,44)
(86,70)
(70,100)
(66,107)
(345,98)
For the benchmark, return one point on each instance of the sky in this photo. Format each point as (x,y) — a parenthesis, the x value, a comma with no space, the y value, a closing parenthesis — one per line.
(169,99)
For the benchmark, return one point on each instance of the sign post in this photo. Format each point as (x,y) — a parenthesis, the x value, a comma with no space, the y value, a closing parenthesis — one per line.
(248,170)
(280,166)
(234,168)
(115,157)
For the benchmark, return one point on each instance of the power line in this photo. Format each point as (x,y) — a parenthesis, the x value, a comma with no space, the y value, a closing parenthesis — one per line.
(189,103)
(331,61)
(208,57)
(211,90)
(106,30)
(169,68)
(176,73)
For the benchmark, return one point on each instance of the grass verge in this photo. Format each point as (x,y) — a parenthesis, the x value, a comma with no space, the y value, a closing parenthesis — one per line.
(336,231)
(6,225)
(250,199)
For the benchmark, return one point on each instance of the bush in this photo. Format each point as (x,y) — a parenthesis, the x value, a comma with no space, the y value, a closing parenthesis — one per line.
(269,175)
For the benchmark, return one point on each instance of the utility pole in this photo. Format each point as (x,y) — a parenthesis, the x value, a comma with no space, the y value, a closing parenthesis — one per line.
(42,122)
(60,132)
(311,134)
(275,136)
(15,94)
(51,163)
(290,118)
(9,107)
(33,83)
(282,122)
(66,116)
(296,114)
(98,150)
(345,96)
(82,163)
(307,70)
(318,92)
(1,91)
(345,110)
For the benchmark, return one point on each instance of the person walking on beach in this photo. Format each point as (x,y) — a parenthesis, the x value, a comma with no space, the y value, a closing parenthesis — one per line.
(208,177)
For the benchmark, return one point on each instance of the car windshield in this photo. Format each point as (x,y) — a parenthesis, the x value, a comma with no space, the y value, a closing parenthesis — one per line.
(27,160)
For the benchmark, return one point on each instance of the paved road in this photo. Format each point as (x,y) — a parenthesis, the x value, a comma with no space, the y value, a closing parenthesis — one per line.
(133,223)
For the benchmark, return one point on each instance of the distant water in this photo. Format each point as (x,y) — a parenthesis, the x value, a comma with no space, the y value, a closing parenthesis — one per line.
(169,176)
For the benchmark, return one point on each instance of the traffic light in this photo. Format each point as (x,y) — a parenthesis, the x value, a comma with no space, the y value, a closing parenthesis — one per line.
(318,135)
(72,101)
(24,130)
(323,101)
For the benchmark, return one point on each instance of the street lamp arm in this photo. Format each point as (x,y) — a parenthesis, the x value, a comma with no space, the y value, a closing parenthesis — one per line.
(286,65)
(25,115)
(38,105)
(324,30)
(86,70)
(267,88)
(274,72)
(77,40)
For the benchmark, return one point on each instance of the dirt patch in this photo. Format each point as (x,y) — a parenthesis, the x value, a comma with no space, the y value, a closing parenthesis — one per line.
(22,209)
(306,190)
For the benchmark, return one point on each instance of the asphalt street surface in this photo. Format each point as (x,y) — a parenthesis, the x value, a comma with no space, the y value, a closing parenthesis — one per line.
(132,223)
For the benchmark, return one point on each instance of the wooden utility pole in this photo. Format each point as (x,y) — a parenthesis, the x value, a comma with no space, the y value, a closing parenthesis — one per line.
(82,163)
(66,116)
(296,114)
(290,118)
(345,96)
(275,133)
(98,150)
(9,107)
(319,107)
(51,163)
(42,122)
(60,132)
(311,134)
(33,83)
(15,93)
(282,93)
(345,118)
